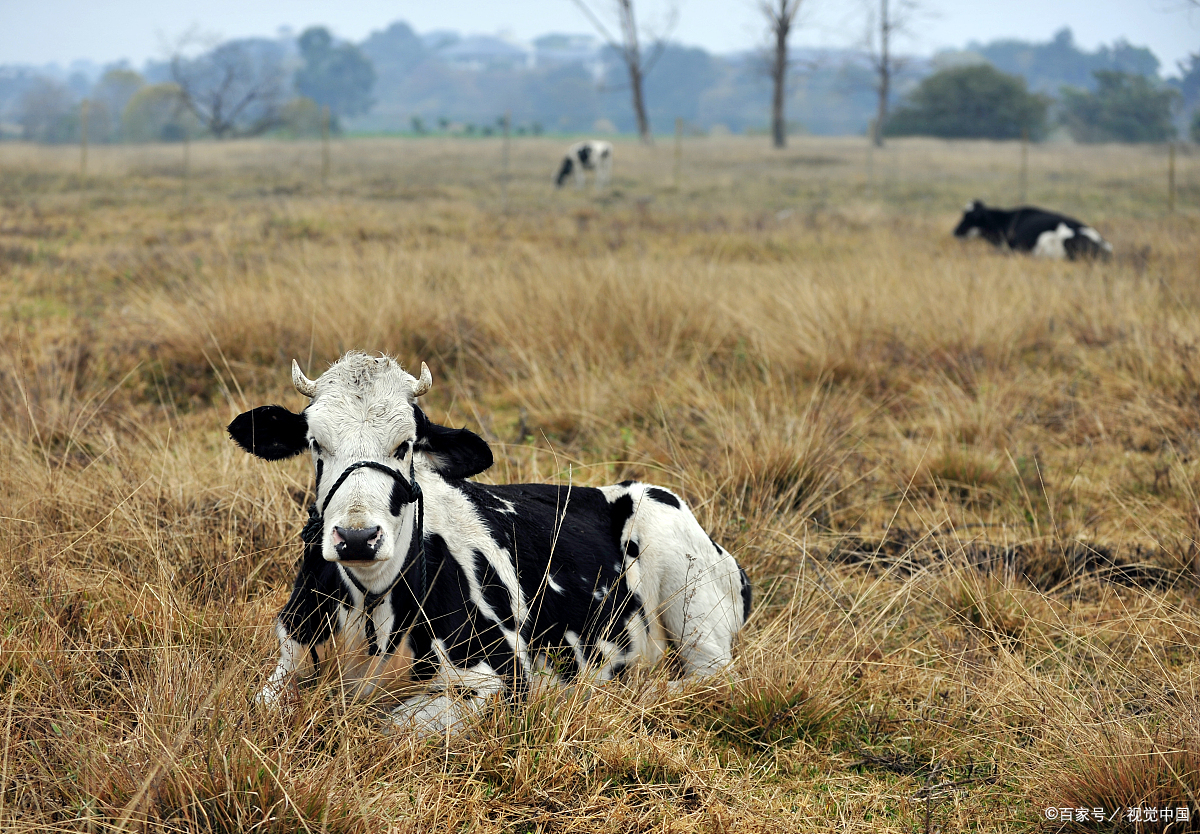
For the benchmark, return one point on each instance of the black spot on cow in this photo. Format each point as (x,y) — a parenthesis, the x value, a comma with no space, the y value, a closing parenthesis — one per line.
(663,497)
(747,594)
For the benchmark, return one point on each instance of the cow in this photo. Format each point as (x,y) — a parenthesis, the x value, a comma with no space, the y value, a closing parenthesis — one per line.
(1029,229)
(412,575)
(589,155)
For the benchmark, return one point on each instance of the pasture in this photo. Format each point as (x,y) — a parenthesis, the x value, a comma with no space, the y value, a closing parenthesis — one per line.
(965,485)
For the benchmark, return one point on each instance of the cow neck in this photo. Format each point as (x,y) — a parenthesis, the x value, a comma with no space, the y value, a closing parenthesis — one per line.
(313,529)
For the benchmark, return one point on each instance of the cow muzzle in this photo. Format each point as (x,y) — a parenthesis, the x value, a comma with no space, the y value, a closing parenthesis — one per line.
(359,542)
(356,545)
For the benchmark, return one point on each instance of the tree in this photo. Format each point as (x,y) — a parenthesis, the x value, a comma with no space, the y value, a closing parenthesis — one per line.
(972,102)
(881,33)
(338,76)
(1195,128)
(1124,108)
(48,113)
(628,47)
(236,89)
(109,98)
(156,113)
(780,15)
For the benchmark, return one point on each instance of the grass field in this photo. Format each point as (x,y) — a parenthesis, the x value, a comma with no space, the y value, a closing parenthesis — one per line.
(966,485)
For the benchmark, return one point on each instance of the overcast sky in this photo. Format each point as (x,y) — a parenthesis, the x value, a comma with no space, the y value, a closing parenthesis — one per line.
(42,31)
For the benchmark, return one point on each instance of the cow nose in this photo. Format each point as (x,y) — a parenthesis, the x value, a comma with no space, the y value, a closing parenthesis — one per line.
(356,545)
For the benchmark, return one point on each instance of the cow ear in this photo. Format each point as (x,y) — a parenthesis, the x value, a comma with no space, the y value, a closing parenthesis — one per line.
(271,432)
(454,453)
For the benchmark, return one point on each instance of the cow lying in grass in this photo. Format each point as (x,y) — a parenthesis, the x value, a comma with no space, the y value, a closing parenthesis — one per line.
(412,573)
(1034,230)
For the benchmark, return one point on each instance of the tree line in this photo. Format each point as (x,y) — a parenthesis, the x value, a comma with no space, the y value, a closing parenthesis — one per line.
(396,80)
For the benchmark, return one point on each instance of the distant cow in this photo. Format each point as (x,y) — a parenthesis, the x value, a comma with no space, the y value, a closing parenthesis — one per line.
(591,155)
(1028,229)
(412,574)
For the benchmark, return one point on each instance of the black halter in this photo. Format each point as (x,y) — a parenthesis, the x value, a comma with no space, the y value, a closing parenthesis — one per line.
(403,492)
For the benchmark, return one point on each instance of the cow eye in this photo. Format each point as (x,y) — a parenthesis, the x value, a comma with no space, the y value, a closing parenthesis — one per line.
(402,449)
(316,447)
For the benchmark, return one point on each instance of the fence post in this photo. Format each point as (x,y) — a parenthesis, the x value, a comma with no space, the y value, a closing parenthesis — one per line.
(83,126)
(1024,178)
(504,165)
(870,157)
(187,153)
(1171,177)
(324,147)
(678,148)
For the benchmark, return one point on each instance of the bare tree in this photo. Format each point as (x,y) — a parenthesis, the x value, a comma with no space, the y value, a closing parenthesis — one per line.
(235,89)
(893,19)
(628,46)
(780,15)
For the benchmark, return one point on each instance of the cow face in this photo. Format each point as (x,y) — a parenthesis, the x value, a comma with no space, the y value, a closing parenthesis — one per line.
(363,410)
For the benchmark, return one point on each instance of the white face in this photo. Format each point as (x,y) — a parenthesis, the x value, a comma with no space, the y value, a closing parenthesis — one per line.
(362,410)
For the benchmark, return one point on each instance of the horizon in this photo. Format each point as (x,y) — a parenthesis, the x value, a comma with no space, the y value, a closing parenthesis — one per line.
(1170,28)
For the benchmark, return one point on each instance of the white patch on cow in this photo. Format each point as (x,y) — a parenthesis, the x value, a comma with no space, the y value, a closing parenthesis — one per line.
(455,696)
(1050,243)
(581,661)
(1094,236)
(291,656)
(554,586)
(974,231)
(690,586)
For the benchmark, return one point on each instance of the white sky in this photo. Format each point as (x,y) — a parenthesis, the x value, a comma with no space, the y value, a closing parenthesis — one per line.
(42,31)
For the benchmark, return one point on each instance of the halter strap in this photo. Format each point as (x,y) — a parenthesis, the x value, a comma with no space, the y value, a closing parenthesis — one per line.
(410,491)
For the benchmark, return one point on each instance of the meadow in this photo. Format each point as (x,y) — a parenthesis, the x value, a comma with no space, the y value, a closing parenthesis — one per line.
(965,484)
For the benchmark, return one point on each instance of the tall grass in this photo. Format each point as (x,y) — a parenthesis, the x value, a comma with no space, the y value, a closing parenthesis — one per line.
(963,483)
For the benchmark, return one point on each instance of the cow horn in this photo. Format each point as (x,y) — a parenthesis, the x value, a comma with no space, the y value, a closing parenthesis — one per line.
(424,383)
(303,384)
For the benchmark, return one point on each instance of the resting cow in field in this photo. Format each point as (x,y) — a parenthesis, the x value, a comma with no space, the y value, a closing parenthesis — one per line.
(412,574)
(1035,230)
(590,155)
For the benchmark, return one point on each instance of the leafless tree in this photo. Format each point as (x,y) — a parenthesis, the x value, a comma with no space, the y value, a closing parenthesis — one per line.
(780,14)
(628,46)
(893,19)
(236,89)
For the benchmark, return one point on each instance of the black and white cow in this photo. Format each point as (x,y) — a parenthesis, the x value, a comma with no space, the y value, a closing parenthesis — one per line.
(414,575)
(1028,229)
(590,155)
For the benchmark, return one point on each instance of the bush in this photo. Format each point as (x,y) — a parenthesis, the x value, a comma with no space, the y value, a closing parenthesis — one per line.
(975,102)
(1125,108)
(156,114)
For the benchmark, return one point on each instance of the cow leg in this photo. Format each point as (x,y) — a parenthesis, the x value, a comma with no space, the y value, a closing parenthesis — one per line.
(293,655)
(456,695)
(306,623)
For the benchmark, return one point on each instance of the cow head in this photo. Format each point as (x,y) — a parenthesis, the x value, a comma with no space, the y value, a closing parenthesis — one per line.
(974,221)
(363,409)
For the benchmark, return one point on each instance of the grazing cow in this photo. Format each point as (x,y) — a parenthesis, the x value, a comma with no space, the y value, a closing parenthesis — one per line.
(591,155)
(1035,230)
(412,574)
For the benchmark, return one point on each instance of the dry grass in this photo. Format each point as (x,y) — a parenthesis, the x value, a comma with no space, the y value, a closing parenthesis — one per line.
(965,485)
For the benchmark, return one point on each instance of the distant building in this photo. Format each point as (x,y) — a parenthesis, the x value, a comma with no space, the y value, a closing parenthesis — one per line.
(482,52)
(558,50)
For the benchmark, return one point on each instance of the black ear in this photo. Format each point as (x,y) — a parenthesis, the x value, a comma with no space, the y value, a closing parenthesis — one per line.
(271,432)
(454,453)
